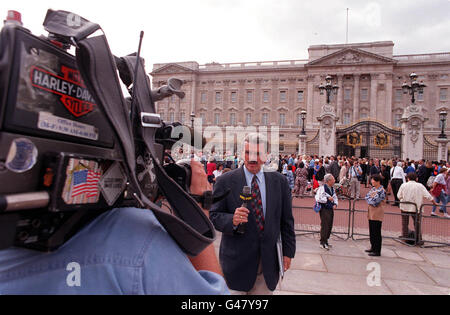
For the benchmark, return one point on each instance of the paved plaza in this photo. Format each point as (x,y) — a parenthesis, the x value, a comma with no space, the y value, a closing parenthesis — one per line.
(344,270)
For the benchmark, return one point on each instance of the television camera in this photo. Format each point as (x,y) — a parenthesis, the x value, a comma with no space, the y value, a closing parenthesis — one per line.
(72,147)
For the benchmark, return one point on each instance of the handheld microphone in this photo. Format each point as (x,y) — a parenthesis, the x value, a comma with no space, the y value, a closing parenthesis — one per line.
(246,196)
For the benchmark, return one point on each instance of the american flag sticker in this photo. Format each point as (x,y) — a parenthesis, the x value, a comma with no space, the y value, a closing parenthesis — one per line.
(82,182)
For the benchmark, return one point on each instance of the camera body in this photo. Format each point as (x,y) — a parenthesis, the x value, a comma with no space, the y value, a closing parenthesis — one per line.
(60,165)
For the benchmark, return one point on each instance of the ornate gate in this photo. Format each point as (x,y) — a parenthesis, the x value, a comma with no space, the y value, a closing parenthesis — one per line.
(430,149)
(369,138)
(312,146)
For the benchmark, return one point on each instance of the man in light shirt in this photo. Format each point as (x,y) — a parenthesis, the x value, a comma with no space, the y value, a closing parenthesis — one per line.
(413,192)
(353,173)
(397,179)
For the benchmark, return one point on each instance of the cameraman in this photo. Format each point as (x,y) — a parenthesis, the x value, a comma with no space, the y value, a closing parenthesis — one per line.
(123,251)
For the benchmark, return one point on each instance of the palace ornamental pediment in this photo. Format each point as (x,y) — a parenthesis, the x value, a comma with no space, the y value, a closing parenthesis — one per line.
(350,56)
(172,68)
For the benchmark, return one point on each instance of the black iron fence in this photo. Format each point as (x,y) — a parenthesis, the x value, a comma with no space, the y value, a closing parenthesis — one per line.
(416,228)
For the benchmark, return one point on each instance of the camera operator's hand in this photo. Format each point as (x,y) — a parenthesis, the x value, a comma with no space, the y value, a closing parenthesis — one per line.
(199,180)
(207,259)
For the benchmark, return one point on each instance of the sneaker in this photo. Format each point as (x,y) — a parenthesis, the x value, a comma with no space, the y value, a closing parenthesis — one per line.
(324,246)
(433,214)
(329,246)
(446,215)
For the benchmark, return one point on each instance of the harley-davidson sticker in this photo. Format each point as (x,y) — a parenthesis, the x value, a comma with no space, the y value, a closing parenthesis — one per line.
(74,94)
(66,126)
(82,182)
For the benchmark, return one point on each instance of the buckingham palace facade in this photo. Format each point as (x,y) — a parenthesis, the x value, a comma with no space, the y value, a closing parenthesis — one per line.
(274,93)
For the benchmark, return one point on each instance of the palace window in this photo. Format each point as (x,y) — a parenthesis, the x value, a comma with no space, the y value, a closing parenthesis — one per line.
(248,119)
(347,94)
(265,119)
(203,97)
(171,117)
(363,115)
(203,118)
(397,122)
(216,118)
(266,96)
(218,97)
(443,94)
(233,119)
(233,97)
(282,119)
(182,117)
(364,94)
(420,96)
(299,96)
(398,95)
(299,120)
(346,119)
(249,96)
(282,96)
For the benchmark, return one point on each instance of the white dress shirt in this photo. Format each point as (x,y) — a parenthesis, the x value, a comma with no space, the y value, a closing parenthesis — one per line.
(398,173)
(413,192)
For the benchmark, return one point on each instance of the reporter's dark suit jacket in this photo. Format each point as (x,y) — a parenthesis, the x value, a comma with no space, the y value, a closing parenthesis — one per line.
(240,254)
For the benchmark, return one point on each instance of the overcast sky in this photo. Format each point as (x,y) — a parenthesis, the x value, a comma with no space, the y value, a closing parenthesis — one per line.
(251,30)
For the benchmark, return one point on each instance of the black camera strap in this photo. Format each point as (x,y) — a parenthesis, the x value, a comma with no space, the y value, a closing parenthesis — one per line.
(190,227)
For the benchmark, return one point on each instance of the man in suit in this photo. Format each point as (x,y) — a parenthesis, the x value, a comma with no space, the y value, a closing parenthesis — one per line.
(334,167)
(422,173)
(249,260)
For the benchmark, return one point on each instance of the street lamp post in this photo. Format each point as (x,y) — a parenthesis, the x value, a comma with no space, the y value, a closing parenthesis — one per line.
(303,116)
(328,87)
(443,118)
(192,119)
(414,87)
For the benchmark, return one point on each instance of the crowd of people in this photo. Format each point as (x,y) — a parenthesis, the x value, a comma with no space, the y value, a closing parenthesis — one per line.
(409,182)
(306,174)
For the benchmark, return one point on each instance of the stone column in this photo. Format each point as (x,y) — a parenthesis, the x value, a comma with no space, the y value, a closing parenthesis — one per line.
(412,129)
(442,148)
(340,97)
(302,144)
(373,95)
(193,97)
(388,111)
(327,136)
(310,100)
(356,98)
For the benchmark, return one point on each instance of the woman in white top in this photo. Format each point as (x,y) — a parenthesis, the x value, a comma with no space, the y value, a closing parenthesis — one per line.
(438,191)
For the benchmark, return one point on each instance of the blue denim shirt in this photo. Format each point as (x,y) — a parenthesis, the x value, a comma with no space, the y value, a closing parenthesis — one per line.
(123,251)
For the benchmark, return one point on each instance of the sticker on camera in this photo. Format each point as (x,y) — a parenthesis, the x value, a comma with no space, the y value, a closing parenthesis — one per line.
(113,183)
(22,155)
(50,122)
(82,182)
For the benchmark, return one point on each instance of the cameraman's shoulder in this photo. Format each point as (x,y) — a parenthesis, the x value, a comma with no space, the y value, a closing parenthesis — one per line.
(125,230)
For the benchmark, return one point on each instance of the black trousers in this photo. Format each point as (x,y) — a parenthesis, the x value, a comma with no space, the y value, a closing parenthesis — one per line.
(326,224)
(405,225)
(396,183)
(375,235)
